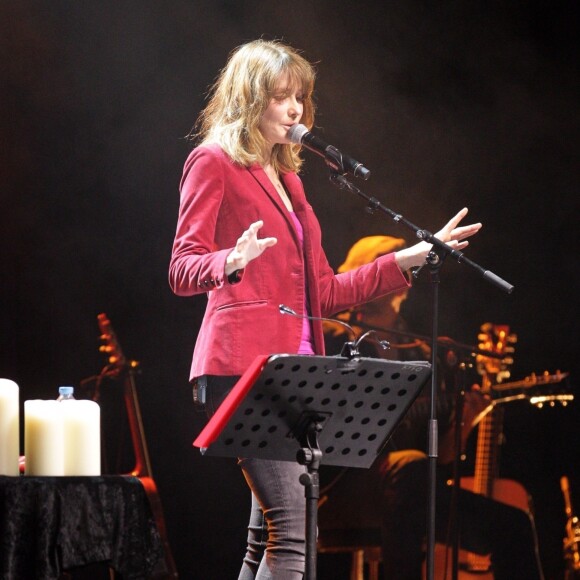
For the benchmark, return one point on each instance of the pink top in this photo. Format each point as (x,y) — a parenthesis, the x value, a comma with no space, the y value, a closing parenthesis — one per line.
(306,344)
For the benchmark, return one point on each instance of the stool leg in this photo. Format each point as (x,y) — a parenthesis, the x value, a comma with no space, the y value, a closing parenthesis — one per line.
(357,565)
(373,570)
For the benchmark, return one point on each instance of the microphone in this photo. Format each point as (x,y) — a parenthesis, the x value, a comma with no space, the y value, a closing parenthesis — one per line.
(300,135)
(350,348)
(287,310)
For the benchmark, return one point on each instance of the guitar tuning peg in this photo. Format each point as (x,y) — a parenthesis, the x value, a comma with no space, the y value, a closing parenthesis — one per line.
(105,348)
(513,338)
(113,359)
(509,349)
(508,360)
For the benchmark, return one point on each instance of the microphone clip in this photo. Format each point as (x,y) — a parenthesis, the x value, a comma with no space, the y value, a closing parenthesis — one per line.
(350,349)
(333,159)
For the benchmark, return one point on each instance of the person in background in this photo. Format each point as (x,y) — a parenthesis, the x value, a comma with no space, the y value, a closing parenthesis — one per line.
(392,494)
(248,240)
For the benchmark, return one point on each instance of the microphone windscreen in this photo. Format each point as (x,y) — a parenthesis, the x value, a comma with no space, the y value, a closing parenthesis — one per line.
(296,133)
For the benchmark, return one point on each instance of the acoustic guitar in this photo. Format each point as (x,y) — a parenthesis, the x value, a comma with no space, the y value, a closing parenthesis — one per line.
(124,370)
(485,481)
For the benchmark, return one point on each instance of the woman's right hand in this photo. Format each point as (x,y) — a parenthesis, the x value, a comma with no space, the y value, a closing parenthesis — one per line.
(248,247)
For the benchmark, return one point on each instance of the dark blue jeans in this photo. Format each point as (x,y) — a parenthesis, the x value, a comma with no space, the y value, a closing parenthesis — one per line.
(276,531)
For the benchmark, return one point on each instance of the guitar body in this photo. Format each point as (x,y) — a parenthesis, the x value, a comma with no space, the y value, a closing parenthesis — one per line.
(165,569)
(505,490)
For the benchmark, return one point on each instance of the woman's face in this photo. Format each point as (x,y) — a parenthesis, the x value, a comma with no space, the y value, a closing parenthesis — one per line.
(285,109)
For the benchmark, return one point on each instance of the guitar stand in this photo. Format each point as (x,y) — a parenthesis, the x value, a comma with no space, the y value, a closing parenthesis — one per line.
(314,410)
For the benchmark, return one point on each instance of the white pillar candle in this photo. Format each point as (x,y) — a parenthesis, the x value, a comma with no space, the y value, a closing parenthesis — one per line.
(82,437)
(43,437)
(9,427)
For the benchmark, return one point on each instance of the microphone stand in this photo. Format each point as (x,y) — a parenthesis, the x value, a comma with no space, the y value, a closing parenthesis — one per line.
(439,252)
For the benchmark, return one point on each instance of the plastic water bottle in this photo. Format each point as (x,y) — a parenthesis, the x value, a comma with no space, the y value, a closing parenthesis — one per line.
(65,394)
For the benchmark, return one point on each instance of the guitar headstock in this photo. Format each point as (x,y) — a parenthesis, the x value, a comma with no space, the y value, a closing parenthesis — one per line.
(540,399)
(111,347)
(537,389)
(496,339)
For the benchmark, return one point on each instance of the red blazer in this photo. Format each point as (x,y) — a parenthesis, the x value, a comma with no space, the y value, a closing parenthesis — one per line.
(219,200)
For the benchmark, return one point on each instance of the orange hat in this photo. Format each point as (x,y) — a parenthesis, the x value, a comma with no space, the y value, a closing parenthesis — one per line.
(367,249)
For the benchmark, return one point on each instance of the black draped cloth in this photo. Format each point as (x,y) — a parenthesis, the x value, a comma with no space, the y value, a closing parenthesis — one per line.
(52,524)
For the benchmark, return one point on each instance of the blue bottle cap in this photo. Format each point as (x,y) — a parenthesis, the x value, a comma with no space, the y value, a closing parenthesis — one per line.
(65,390)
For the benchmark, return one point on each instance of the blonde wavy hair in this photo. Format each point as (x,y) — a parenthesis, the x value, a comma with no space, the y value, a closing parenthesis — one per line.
(241,94)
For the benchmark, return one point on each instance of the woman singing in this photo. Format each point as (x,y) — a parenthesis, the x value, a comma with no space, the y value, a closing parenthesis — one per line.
(248,238)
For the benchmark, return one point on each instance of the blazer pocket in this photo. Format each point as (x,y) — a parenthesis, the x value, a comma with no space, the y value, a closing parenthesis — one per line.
(241,304)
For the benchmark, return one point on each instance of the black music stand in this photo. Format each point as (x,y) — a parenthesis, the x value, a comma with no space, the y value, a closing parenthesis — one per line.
(314,410)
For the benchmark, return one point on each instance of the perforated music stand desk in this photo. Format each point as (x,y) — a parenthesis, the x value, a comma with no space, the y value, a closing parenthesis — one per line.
(314,410)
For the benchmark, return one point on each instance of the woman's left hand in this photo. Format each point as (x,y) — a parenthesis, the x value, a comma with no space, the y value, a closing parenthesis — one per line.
(455,236)
(451,233)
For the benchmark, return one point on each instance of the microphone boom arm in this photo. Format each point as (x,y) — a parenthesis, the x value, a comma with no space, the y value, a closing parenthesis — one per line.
(440,248)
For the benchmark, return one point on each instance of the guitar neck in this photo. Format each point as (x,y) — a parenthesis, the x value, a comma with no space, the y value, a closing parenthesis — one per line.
(142,462)
(495,338)
(487,452)
(121,367)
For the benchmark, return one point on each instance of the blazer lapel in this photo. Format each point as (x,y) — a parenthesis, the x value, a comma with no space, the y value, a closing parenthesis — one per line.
(264,181)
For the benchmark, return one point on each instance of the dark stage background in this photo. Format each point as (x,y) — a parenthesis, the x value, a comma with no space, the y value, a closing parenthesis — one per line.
(450,104)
